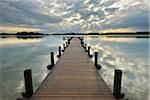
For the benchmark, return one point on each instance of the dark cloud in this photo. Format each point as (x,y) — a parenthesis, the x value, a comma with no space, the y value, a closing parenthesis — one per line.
(50,15)
(108,2)
(139,20)
(18,12)
(111,10)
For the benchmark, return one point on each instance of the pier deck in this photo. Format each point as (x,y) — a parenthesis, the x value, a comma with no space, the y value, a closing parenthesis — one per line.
(74,77)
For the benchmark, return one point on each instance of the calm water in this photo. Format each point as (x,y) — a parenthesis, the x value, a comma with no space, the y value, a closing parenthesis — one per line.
(131,55)
(128,54)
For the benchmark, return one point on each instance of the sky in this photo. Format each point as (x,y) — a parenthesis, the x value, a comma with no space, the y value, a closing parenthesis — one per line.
(54,16)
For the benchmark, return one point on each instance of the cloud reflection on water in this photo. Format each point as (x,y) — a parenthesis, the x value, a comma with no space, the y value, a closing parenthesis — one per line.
(117,39)
(135,71)
(17,57)
(10,41)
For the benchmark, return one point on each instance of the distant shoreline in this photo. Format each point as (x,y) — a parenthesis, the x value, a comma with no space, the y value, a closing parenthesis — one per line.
(40,35)
(127,35)
(23,35)
(123,33)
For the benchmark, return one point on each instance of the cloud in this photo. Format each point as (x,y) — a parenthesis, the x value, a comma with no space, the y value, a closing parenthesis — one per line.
(17,29)
(135,17)
(27,13)
(89,14)
(136,20)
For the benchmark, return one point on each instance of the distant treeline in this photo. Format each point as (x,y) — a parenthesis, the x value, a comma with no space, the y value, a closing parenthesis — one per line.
(122,33)
(23,33)
(129,33)
(36,33)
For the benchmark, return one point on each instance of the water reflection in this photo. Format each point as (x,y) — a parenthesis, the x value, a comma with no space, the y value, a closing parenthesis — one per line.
(18,55)
(117,39)
(11,41)
(129,55)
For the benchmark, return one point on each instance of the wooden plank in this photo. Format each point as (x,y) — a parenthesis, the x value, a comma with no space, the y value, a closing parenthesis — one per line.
(74,77)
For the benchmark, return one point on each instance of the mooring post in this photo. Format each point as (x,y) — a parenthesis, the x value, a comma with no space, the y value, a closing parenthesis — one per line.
(68,41)
(96,61)
(52,58)
(117,85)
(63,47)
(85,46)
(96,58)
(89,52)
(66,44)
(79,38)
(59,52)
(82,41)
(49,67)
(28,83)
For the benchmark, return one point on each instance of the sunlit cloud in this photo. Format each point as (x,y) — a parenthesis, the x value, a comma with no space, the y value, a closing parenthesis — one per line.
(18,29)
(113,30)
(67,15)
(117,30)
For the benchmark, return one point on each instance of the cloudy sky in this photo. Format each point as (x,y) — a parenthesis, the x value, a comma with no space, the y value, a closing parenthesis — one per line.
(74,15)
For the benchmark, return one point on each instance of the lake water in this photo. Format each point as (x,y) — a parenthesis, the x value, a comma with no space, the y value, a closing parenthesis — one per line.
(131,55)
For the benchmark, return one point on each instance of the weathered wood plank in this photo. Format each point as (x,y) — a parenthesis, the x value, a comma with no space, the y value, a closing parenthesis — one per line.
(74,77)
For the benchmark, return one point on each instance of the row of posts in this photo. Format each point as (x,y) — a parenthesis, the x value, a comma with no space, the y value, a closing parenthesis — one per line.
(88,49)
(65,45)
(117,75)
(28,74)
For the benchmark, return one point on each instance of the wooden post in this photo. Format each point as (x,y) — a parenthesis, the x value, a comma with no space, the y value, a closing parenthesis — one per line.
(69,41)
(59,52)
(28,83)
(82,41)
(79,38)
(89,52)
(117,85)
(52,58)
(85,47)
(63,47)
(96,61)
(49,67)
(66,44)
(96,58)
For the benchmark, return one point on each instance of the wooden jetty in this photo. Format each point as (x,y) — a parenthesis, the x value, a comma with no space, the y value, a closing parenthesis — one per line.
(73,77)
